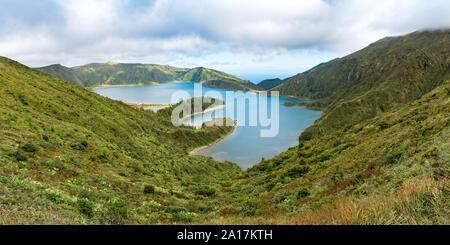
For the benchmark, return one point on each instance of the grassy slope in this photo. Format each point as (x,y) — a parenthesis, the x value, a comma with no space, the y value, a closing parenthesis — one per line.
(387,73)
(118,74)
(69,155)
(391,169)
(270,83)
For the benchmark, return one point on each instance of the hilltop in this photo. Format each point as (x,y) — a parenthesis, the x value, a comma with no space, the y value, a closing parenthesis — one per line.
(113,73)
(389,72)
(271,83)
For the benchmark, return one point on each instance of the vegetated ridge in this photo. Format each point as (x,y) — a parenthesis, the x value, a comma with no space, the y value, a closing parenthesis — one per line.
(111,73)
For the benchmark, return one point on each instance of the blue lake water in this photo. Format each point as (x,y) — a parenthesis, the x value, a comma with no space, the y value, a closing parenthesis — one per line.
(244,146)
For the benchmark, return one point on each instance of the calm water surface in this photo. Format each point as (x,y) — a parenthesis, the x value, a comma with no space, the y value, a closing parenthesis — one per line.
(244,146)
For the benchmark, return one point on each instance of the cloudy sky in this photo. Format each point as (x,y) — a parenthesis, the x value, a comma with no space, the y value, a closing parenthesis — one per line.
(253,39)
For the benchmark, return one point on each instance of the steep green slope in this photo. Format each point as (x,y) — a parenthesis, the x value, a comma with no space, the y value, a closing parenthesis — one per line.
(62,72)
(68,155)
(387,73)
(271,83)
(391,169)
(111,73)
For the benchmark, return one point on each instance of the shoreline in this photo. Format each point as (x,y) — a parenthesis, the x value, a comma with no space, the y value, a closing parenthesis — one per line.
(196,151)
(136,105)
(134,84)
(123,85)
(205,111)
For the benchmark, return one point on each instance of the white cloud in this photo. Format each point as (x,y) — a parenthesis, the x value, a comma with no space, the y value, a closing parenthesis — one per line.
(236,35)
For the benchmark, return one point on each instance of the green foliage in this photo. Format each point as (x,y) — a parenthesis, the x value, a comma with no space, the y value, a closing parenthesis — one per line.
(116,212)
(302,192)
(382,125)
(206,191)
(251,207)
(20,156)
(290,195)
(174,209)
(394,156)
(297,171)
(85,207)
(149,189)
(30,147)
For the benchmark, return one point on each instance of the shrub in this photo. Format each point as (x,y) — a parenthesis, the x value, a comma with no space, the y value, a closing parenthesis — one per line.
(305,136)
(321,158)
(183,216)
(137,167)
(250,207)
(383,125)
(29,147)
(432,152)
(393,156)
(297,171)
(149,189)
(45,137)
(174,209)
(303,192)
(283,196)
(20,156)
(206,191)
(290,195)
(85,207)
(81,146)
(117,212)
(337,176)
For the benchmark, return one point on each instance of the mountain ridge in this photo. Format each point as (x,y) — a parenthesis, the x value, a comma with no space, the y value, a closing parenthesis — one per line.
(391,71)
(113,73)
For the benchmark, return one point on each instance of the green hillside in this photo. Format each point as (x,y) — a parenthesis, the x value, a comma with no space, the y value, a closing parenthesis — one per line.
(68,155)
(387,73)
(217,79)
(111,73)
(271,83)
(391,169)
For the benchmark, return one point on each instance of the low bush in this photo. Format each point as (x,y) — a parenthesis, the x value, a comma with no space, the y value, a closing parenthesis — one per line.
(174,209)
(149,189)
(394,156)
(297,171)
(29,147)
(20,156)
(205,191)
(85,207)
(116,213)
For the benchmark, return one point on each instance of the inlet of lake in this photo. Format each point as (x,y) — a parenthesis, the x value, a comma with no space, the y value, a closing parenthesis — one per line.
(244,146)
